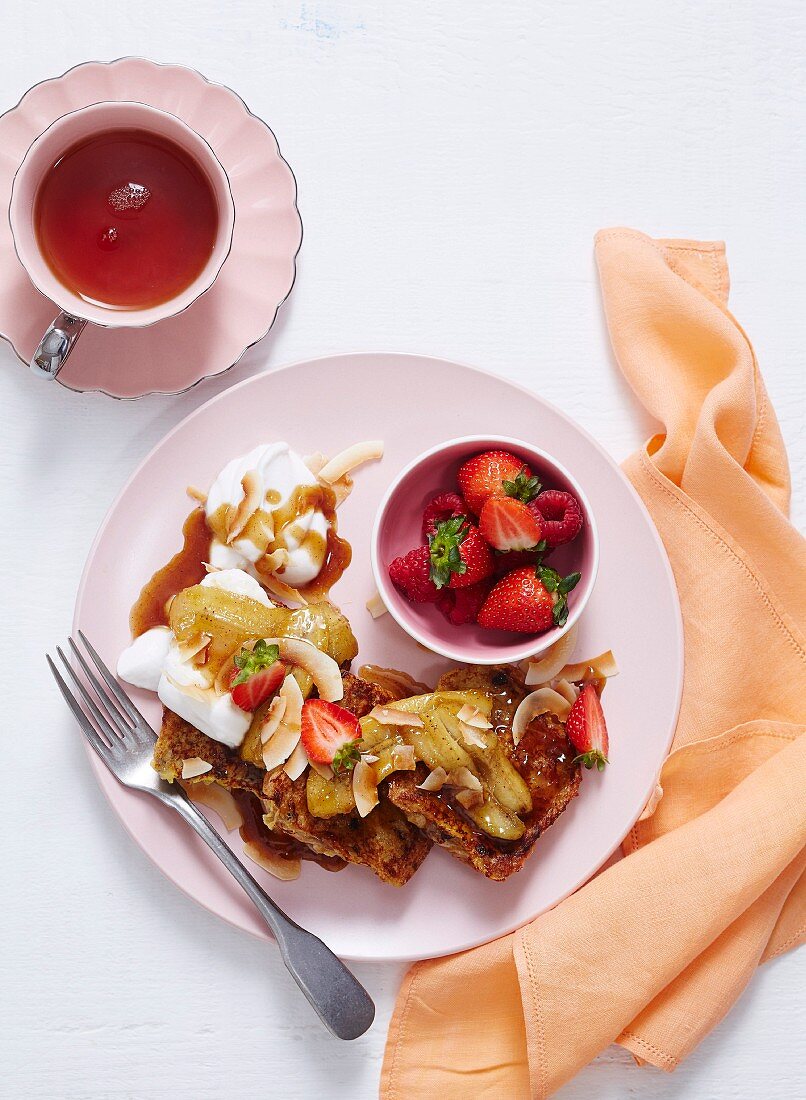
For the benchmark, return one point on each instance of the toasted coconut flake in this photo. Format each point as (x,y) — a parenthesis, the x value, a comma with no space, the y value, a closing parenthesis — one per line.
(543,700)
(324,770)
(282,590)
(315,462)
(297,762)
(324,671)
(469,799)
(347,460)
(341,490)
(223,680)
(464,778)
(654,802)
(277,559)
(434,781)
(291,694)
(365,788)
(376,607)
(471,736)
(399,684)
(472,716)
(369,758)
(389,716)
(597,668)
(217,799)
(196,494)
(195,649)
(274,716)
(194,766)
(285,869)
(553,660)
(403,758)
(568,690)
(280,747)
(239,516)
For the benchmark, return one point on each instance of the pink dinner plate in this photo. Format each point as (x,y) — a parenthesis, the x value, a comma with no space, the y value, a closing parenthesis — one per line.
(325,405)
(257,276)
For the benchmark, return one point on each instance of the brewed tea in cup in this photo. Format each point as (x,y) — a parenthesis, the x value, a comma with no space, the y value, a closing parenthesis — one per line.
(123,216)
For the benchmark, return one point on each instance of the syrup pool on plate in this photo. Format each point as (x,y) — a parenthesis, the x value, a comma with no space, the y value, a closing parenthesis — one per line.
(126,219)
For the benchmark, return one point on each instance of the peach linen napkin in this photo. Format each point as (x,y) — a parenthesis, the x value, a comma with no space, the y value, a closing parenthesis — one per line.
(654,951)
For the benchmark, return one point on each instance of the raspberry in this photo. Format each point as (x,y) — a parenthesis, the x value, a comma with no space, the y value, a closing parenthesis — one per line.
(442,506)
(467,603)
(561,516)
(446,601)
(411,574)
(515,559)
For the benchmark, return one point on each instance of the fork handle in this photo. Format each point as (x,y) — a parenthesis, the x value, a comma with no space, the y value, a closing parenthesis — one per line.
(336,995)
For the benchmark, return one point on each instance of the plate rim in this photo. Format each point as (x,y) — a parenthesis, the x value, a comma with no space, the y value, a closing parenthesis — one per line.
(679,646)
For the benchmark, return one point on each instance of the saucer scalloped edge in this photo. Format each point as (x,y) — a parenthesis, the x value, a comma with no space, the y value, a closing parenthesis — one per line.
(257,277)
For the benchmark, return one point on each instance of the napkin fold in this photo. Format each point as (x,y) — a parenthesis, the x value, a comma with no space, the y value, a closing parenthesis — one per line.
(655,950)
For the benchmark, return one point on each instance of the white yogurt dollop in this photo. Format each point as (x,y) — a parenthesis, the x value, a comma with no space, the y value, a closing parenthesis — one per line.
(237,581)
(153,662)
(280,471)
(141,663)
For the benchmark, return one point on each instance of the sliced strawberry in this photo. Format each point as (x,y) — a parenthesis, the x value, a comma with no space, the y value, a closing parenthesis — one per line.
(258,686)
(509,524)
(587,730)
(330,734)
(518,602)
(439,508)
(494,473)
(459,555)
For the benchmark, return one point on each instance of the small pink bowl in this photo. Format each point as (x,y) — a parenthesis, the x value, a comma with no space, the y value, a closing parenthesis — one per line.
(398,528)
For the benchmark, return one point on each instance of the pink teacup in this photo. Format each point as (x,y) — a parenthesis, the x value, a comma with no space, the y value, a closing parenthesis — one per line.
(76,311)
(398,529)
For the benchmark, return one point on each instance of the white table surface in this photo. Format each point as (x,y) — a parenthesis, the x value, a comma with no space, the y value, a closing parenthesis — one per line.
(454,160)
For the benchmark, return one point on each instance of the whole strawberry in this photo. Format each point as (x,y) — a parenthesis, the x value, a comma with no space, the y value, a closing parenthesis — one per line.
(518,602)
(528,601)
(559,514)
(459,555)
(587,730)
(495,473)
(411,573)
(439,508)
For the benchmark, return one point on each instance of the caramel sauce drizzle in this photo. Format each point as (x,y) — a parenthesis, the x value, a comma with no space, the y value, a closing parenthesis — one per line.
(183,570)
(186,568)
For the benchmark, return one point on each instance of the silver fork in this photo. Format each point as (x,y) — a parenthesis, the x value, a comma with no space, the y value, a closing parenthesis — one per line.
(124,741)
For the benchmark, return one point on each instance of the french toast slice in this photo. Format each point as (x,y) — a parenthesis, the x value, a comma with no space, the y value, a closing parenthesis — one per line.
(544,757)
(385,841)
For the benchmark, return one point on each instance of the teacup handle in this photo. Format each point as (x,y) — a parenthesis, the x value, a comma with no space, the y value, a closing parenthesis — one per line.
(56,345)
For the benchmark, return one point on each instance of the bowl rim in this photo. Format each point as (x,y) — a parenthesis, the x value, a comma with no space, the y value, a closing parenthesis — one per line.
(506,654)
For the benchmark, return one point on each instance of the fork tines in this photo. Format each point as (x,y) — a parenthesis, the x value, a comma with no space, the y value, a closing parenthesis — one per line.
(109,720)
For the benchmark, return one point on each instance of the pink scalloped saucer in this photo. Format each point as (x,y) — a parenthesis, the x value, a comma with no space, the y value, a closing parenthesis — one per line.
(255,280)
